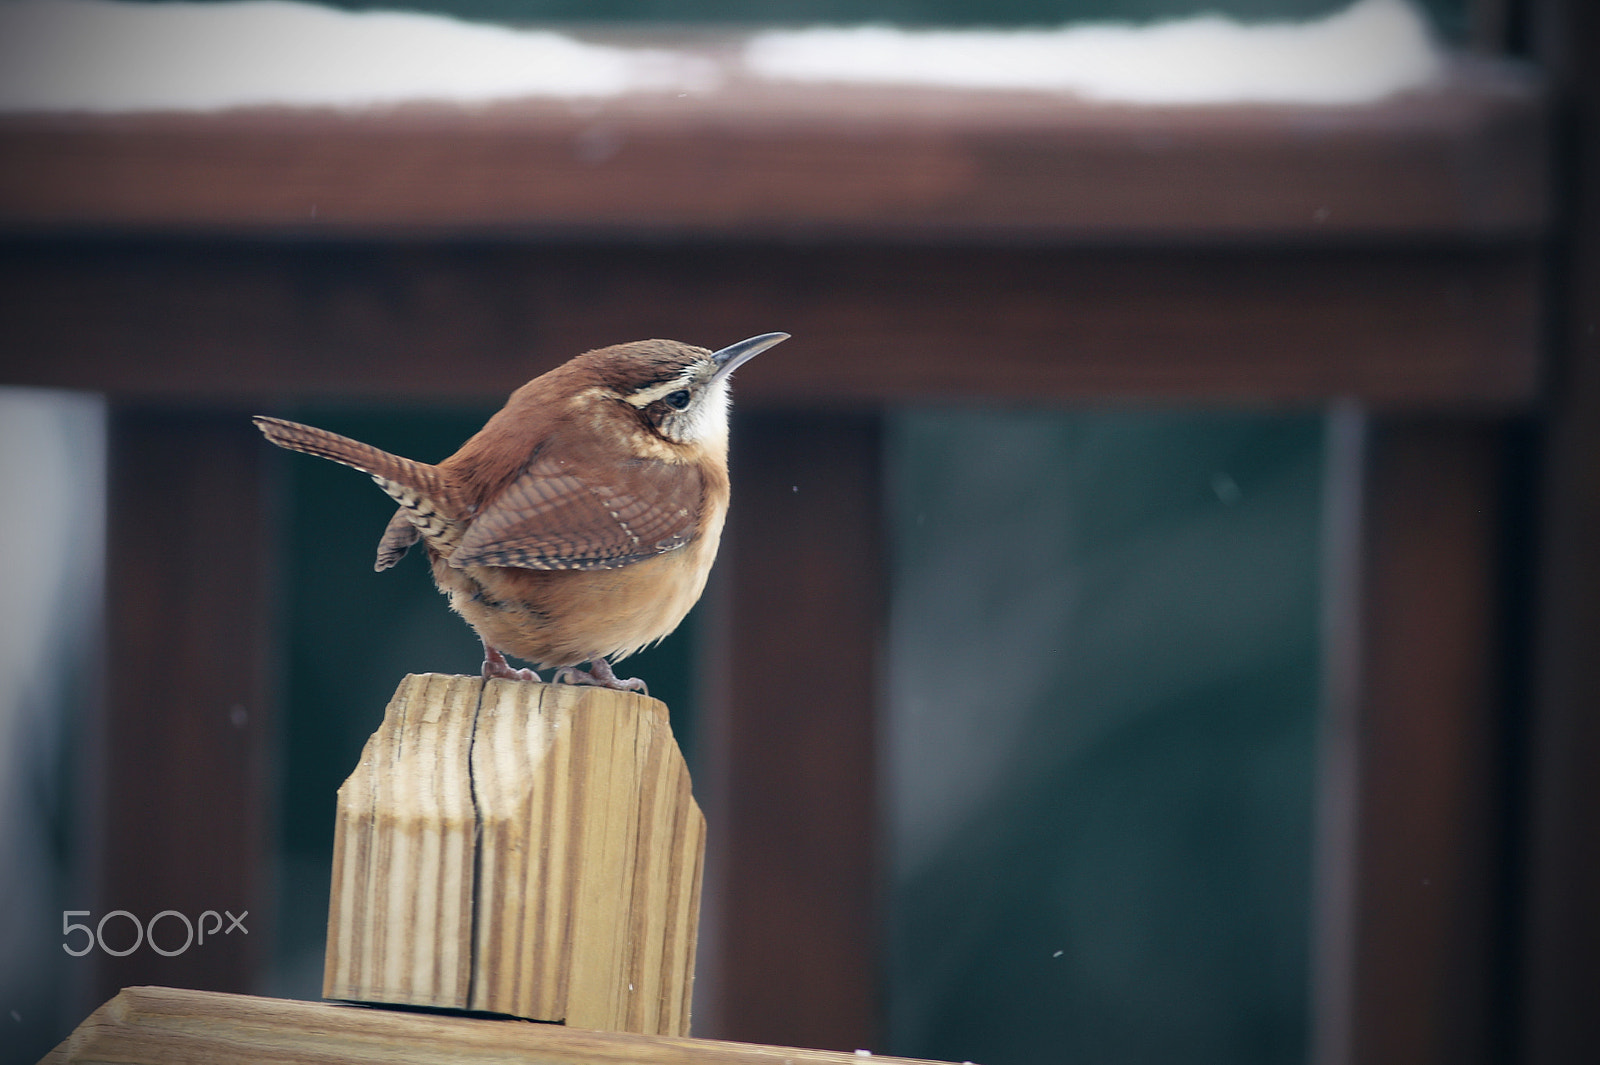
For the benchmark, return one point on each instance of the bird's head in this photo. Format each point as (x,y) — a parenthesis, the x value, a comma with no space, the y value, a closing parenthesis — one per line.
(679,390)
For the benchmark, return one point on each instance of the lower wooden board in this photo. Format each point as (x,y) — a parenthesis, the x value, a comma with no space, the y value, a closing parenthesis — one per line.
(145,1025)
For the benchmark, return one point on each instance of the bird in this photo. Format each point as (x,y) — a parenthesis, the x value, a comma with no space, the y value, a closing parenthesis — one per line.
(580,524)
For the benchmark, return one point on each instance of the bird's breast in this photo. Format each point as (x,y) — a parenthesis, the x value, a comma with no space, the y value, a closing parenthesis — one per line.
(563,617)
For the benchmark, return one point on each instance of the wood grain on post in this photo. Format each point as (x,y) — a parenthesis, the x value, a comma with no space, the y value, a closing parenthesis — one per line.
(522,849)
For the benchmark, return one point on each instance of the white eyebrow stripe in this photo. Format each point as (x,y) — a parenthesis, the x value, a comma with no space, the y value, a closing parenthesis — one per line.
(647,396)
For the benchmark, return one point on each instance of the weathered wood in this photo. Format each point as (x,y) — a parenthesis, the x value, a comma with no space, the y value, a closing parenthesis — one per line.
(178,1027)
(518,848)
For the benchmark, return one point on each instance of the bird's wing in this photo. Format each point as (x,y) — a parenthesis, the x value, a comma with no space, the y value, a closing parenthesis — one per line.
(552,518)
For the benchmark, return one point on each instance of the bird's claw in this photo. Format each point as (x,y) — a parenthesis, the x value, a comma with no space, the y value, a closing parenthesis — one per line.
(599,674)
(495,667)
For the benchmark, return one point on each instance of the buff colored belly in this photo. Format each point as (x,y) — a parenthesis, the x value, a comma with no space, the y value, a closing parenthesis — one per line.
(564,617)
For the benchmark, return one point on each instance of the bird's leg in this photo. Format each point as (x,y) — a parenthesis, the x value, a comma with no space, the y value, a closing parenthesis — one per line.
(494,666)
(599,674)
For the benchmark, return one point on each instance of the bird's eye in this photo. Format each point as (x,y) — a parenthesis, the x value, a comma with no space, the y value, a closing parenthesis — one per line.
(678,400)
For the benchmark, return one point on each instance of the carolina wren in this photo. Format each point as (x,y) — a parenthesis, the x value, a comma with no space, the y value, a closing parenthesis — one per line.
(580,524)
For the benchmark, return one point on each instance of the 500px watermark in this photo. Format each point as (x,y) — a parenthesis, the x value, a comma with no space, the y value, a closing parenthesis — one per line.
(145,932)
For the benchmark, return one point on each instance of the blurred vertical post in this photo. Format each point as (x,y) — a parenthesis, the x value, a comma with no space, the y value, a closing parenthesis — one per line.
(1414,775)
(183,805)
(792,863)
(1560,960)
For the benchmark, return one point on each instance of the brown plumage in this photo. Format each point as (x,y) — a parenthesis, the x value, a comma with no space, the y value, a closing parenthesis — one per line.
(580,524)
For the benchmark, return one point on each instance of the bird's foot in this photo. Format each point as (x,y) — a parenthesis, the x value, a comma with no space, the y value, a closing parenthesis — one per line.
(496,667)
(599,674)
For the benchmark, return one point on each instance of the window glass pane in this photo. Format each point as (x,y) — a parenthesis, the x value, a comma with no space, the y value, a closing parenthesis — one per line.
(1102,704)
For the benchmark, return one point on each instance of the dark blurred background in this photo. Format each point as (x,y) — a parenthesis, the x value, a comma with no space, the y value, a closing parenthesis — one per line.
(1145,705)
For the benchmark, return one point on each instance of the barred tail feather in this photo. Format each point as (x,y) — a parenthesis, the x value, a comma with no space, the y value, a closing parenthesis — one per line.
(352,453)
(419,488)
(397,539)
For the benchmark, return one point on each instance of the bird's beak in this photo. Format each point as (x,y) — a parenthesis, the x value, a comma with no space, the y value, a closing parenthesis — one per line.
(733,356)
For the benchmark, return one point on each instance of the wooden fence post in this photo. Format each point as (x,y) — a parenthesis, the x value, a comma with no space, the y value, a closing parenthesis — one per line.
(523,849)
(506,848)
